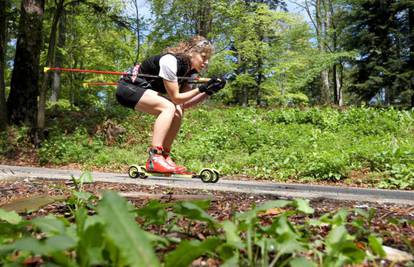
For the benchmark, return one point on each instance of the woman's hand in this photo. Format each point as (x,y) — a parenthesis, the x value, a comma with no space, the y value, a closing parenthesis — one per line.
(213,86)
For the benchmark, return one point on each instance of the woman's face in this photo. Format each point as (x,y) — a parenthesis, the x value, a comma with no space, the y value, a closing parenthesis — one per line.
(199,60)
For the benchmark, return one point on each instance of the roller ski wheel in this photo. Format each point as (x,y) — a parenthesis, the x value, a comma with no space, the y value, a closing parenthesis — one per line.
(217,176)
(136,171)
(208,176)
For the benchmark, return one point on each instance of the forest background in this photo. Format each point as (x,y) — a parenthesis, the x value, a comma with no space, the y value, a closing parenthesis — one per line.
(327,96)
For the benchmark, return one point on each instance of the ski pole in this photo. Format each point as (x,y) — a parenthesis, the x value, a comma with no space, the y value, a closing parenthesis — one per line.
(87,84)
(190,79)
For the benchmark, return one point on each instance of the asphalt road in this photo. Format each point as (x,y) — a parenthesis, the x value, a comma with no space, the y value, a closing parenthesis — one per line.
(255,187)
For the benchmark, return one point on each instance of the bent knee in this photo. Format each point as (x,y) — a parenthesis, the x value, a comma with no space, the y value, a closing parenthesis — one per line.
(167,107)
(179,112)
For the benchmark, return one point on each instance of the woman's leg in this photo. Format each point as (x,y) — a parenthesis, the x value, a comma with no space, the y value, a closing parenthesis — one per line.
(151,102)
(165,130)
(175,128)
(172,134)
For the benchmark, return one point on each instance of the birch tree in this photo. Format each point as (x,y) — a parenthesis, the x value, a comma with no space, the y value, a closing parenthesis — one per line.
(322,14)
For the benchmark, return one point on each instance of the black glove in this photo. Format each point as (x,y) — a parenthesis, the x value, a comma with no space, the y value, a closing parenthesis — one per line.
(213,86)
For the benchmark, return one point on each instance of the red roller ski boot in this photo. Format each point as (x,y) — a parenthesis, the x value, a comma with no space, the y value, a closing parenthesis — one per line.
(160,163)
(167,156)
(157,163)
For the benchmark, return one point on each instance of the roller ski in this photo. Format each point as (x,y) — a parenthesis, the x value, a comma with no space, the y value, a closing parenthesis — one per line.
(160,164)
(206,175)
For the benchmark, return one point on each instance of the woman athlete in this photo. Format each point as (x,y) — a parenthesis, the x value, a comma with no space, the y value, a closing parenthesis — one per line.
(166,95)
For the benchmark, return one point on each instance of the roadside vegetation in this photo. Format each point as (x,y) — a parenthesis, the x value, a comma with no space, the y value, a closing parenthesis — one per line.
(357,145)
(274,121)
(110,231)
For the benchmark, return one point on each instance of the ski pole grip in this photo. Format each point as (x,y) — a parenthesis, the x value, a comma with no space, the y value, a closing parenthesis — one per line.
(204,80)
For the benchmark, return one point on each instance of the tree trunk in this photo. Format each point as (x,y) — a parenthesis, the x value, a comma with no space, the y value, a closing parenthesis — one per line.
(202,17)
(245,101)
(22,101)
(338,82)
(58,60)
(72,82)
(387,96)
(259,82)
(41,121)
(412,96)
(335,84)
(336,68)
(321,24)
(411,27)
(3,49)
(135,2)
(259,78)
(325,96)
(259,65)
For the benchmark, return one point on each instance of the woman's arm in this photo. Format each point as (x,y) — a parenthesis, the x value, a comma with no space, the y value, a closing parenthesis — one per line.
(176,97)
(195,100)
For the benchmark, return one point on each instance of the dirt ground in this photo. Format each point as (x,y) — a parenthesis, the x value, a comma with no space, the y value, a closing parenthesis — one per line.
(398,235)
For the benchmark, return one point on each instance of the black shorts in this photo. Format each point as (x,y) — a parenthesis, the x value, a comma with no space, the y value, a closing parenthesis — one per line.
(129,94)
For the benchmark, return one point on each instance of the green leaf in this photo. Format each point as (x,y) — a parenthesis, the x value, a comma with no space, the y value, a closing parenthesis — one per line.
(287,244)
(158,240)
(92,220)
(188,251)
(193,211)
(340,217)
(227,251)
(303,206)
(11,231)
(60,243)
(81,216)
(233,261)
(50,225)
(375,244)
(273,204)
(90,245)
(46,247)
(337,234)
(82,195)
(32,245)
(86,177)
(125,233)
(350,250)
(232,236)
(154,212)
(340,247)
(10,216)
(301,262)
(281,225)
(61,259)
(248,216)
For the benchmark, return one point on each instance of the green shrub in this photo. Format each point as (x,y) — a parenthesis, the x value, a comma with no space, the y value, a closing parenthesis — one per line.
(14,137)
(77,147)
(288,143)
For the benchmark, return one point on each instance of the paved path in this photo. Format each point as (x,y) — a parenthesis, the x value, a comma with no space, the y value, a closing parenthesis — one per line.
(280,189)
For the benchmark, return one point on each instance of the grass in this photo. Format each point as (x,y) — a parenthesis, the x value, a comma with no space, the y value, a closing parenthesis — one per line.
(312,144)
